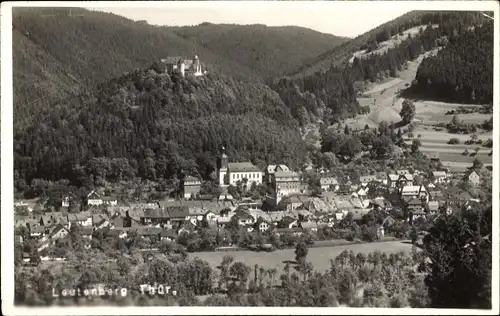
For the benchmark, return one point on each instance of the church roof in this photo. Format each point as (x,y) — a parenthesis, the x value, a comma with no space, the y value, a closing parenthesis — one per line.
(242,167)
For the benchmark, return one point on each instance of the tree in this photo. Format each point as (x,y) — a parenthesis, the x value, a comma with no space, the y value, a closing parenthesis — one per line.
(415,145)
(407,111)
(382,146)
(413,235)
(301,251)
(351,147)
(460,252)
(477,164)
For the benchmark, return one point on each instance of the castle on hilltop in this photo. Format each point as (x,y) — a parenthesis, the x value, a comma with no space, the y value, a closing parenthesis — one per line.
(187,67)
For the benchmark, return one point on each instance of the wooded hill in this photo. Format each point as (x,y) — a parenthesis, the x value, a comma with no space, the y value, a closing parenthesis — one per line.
(157,126)
(462,72)
(56,55)
(339,55)
(329,94)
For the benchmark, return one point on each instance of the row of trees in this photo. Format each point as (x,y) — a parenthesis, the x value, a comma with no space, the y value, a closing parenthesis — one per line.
(453,270)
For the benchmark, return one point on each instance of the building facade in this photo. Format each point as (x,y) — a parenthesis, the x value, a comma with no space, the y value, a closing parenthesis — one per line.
(186,67)
(230,173)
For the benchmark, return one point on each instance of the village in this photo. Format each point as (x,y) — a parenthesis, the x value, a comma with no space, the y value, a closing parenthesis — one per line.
(371,207)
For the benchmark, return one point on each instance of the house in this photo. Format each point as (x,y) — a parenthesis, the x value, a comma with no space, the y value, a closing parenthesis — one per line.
(186,67)
(232,173)
(365,180)
(58,232)
(167,234)
(392,180)
(82,219)
(285,183)
(86,232)
(401,172)
(417,214)
(473,177)
(380,231)
(344,189)
(94,198)
(439,177)
(243,218)
(210,216)
(117,232)
(271,169)
(297,231)
(290,203)
(65,201)
(36,231)
(414,192)
(432,207)
(100,221)
(329,183)
(149,232)
(110,200)
(414,205)
(381,177)
(191,187)
(48,221)
(288,222)
(405,179)
(357,214)
(312,226)
(262,225)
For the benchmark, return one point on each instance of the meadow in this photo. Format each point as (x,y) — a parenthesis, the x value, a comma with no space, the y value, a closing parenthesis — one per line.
(319,257)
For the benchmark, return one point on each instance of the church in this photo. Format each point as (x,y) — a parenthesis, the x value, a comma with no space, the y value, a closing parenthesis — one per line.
(229,173)
(187,67)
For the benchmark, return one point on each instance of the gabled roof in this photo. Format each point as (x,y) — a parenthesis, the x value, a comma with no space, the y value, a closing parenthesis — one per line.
(148,231)
(433,205)
(172,60)
(367,179)
(191,179)
(438,174)
(86,230)
(308,225)
(77,217)
(393,177)
(286,174)
(93,194)
(242,167)
(328,180)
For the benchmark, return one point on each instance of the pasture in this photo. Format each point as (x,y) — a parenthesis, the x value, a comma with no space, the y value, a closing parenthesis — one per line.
(319,257)
(427,115)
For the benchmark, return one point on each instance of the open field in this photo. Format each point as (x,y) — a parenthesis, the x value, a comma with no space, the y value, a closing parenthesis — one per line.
(392,42)
(319,257)
(428,113)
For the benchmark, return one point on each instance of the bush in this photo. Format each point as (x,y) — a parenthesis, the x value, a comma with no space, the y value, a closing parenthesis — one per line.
(454,141)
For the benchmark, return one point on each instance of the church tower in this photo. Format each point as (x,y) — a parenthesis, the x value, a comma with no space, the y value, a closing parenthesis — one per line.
(222,164)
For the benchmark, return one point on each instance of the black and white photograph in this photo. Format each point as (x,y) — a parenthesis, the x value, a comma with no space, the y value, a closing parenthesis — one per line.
(242,154)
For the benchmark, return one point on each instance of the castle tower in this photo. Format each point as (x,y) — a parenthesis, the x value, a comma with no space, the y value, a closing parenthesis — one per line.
(196,65)
(182,67)
(222,164)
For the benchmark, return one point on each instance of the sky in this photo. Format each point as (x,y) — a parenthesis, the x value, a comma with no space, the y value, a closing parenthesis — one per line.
(342,19)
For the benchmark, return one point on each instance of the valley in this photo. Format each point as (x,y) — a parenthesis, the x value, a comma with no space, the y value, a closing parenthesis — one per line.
(386,94)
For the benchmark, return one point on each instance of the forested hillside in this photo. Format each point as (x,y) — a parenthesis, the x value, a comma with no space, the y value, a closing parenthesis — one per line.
(461,72)
(339,55)
(57,55)
(311,95)
(155,126)
(269,51)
